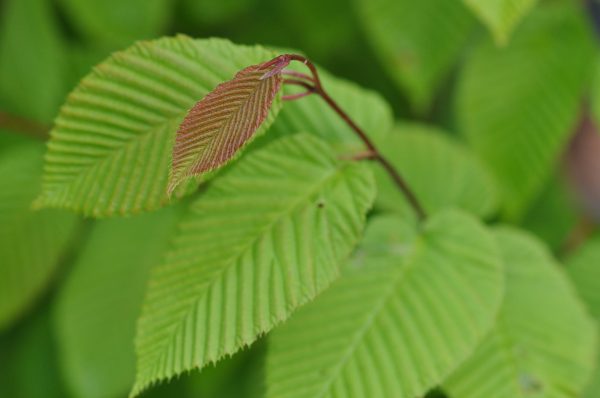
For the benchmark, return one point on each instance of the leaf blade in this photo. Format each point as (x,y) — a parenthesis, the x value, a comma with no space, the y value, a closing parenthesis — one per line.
(251,272)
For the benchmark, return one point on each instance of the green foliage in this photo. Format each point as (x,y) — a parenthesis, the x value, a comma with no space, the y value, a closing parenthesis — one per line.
(440,170)
(531,351)
(501,16)
(111,22)
(32,244)
(417,41)
(595,93)
(109,152)
(409,308)
(516,105)
(265,238)
(32,60)
(98,305)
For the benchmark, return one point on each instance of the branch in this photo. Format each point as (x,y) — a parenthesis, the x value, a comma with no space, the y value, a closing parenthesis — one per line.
(24,126)
(375,153)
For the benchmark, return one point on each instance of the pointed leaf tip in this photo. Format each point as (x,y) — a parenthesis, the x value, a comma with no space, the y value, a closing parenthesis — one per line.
(223,121)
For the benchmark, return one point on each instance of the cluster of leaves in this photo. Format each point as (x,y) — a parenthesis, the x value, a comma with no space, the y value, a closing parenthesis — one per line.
(273,251)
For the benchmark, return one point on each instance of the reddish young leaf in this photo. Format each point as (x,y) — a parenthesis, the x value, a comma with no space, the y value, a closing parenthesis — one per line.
(223,121)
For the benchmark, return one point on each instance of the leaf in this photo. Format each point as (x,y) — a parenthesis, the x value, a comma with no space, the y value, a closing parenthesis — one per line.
(405,313)
(32,60)
(118,23)
(264,238)
(582,267)
(417,41)
(109,153)
(501,16)
(543,343)
(98,305)
(441,172)
(225,120)
(32,244)
(517,105)
(29,366)
(595,93)
(310,114)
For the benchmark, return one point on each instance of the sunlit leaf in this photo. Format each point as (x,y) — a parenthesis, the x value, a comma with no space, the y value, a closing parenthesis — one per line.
(110,151)
(404,314)
(417,41)
(265,238)
(501,16)
(225,120)
(517,105)
(32,244)
(441,172)
(101,299)
(543,343)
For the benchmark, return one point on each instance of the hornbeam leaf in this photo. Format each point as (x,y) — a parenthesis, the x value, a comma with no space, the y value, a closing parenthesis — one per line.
(110,150)
(404,314)
(223,121)
(543,343)
(501,16)
(263,239)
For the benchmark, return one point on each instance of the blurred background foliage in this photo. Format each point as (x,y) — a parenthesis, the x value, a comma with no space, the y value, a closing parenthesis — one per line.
(512,86)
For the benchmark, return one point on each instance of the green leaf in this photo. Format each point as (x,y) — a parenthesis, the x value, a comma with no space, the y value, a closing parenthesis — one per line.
(118,23)
(595,93)
(221,123)
(543,344)
(441,172)
(311,114)
(264,238)
(29,366)
(406,312)
(109,152)
(417,41)
(517,105)
(100,301)
(501,16)
(584,270)
(32,60)
(32,244)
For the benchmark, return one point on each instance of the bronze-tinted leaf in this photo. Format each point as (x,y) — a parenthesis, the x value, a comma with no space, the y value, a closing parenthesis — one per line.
(223,121)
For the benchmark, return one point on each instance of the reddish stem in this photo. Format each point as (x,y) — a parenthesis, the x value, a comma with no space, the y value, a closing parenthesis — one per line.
(376,155)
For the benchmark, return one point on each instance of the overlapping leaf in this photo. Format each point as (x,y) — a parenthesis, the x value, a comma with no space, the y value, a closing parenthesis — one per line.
(100,301)
(31,243)
(595,93)
(264,238)
(501,16)
(543,343)
(518,105)
(439,170)
(405,313)
(109,152)
(584,270)
(417,41)
(310,114)
(225,120)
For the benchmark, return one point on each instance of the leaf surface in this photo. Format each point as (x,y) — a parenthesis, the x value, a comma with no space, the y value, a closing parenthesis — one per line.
(441,172)
(543,343)
(517,105)
(501,16)
(223,121)
(31,243)
(417,41)
(98,305)
(110,150)
(409,308)
(265,238)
